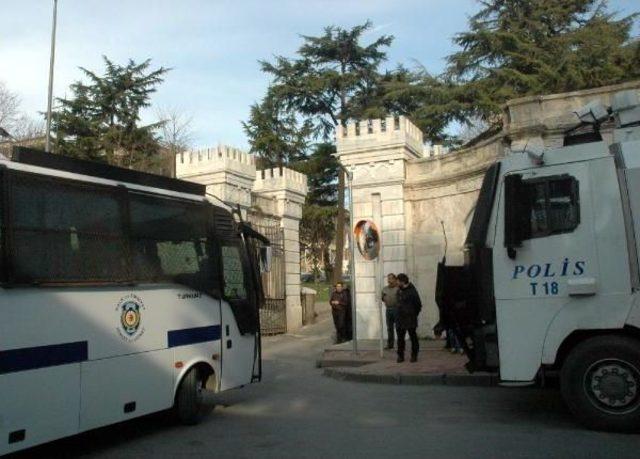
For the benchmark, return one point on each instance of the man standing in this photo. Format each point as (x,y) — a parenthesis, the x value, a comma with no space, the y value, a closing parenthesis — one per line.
(409,306)
(390,300)
(340,305)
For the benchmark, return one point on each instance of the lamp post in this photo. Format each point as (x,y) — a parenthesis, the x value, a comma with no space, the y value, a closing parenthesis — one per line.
(51,62)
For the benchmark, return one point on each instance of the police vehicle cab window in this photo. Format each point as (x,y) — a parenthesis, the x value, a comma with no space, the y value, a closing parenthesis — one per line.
(552,205)
(234,282)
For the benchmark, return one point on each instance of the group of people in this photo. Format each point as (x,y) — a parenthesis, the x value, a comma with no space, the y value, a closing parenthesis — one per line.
(402,305)
(402,308)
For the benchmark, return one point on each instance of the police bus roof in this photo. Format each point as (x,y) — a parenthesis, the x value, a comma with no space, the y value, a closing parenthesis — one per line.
(40,158)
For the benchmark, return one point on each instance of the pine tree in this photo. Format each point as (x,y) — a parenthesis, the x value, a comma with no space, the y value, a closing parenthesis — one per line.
(515,48)
(101,120)
(431,102)
(328,80)
(321,167)
(275,135)
(328,84)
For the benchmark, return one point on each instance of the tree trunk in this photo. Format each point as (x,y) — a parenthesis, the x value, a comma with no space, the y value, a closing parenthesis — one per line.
(327,267)
(337,267)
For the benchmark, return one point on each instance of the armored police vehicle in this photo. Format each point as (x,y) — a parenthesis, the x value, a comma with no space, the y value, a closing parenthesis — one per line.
(121,293)
(551,278)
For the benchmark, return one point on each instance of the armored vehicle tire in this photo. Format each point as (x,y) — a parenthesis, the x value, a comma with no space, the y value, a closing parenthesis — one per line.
(190,406)
(600,383)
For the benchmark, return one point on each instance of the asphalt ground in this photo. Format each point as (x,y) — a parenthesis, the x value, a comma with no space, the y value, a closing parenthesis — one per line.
(298,412)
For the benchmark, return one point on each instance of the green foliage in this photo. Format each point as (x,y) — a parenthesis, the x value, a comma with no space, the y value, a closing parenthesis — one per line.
(329,81)
(323,289)
(515,48)
(431,102)
(100,121)
(319,213)
(333,79)
(274,134)
(317,231)
(321,169)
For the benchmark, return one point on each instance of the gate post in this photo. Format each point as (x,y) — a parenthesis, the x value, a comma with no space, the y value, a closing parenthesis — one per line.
(376,153)
(288,189)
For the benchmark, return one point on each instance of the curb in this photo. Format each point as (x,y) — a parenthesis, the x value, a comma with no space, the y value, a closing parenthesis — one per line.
(324,363)
(437,379)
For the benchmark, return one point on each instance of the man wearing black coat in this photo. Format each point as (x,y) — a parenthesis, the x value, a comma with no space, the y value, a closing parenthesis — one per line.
(340,308)
(409,306)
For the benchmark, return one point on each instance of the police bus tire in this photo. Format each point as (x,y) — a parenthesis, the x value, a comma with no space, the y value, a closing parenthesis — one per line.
(190,406)
(600,382)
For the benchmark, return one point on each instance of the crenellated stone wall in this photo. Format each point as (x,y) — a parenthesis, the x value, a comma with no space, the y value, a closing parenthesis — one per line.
(227,172)
(230,175)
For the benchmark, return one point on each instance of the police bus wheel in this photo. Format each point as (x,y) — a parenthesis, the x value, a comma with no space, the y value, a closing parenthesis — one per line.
(190,406)
(600,383)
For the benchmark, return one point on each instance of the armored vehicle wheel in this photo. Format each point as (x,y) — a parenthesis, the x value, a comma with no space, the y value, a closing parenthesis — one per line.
(600,383)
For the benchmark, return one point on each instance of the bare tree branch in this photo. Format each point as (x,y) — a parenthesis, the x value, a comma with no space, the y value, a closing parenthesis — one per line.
(175,129)
(9,107)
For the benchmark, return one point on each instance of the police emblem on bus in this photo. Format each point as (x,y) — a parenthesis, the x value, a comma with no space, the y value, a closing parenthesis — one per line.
(130,309)
(130,317)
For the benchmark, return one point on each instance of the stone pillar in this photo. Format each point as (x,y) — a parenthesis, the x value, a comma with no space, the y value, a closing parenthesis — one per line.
(376,152)
(230,175)
(227,172)
(289,189)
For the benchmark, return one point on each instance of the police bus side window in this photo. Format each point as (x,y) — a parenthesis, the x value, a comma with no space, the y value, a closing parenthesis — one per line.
(170,242)
(553,206)
(65,231)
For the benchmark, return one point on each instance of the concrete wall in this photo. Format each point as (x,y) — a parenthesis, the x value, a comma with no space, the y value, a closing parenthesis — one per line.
(540,121)
(442,191)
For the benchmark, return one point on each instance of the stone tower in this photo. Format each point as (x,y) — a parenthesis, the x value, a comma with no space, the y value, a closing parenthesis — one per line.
(377,153)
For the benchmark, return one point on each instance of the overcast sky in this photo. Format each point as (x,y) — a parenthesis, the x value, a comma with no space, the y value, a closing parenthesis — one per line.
(212,46)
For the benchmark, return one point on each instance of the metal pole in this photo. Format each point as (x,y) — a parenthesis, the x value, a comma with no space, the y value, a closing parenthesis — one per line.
(352,263)
(51,62)
(377,217)
(380,305)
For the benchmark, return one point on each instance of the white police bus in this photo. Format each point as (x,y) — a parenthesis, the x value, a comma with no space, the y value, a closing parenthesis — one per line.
(123,293)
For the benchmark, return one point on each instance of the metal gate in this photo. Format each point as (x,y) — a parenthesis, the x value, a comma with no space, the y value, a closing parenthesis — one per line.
(273,314)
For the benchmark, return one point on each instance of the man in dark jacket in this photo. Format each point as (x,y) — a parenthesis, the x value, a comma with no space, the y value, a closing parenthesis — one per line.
(409,306)
(340,306)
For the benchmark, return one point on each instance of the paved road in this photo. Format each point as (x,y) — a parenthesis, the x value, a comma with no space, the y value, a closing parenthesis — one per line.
(296,412)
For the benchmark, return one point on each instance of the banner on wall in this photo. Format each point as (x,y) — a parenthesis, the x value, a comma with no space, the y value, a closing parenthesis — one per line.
(367,239)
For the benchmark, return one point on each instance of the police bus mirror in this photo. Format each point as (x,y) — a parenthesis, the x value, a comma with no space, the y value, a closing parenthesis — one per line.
(514,213)
(265,255)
